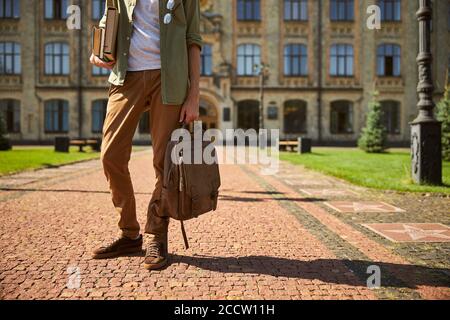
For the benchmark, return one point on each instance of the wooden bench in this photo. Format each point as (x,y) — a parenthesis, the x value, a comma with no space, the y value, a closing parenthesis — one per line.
(81,143)
(288,145)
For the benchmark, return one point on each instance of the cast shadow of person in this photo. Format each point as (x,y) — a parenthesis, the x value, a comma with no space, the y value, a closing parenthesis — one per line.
(335,271)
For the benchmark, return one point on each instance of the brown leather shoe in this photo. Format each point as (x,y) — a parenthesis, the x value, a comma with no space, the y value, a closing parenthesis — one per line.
(118,248)
(157,255)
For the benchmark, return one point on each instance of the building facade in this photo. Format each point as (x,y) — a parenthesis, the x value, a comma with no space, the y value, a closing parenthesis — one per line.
(323,62)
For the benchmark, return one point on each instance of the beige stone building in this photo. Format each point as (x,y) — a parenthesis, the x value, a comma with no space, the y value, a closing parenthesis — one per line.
(322,59)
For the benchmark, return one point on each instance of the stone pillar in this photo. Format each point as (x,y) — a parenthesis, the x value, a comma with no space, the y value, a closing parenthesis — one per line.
(426,146)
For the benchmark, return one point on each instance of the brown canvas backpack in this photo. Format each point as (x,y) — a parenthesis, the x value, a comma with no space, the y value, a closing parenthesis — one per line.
(189,189)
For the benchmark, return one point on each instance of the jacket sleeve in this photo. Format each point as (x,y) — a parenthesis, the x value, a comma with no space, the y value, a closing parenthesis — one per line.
(102,22)
(192,12)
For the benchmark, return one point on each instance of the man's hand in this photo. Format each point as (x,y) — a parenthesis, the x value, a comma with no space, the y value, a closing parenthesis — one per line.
(96,61)
(190,109)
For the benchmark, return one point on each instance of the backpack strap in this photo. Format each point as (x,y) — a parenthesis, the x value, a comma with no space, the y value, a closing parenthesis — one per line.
(111,4)
(183,231)
(180,206)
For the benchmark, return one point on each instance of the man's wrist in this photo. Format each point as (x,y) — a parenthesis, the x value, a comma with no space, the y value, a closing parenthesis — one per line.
(194,93)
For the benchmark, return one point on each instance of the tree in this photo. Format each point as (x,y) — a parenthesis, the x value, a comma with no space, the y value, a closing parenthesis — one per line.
(374,135)
(443,115)
(4,142)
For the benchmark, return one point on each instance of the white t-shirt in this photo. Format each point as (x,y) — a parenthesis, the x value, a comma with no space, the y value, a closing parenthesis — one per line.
(145,46)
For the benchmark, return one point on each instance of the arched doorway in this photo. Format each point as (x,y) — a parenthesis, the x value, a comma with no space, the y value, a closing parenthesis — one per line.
(248,114)
(208,115)
(295,117)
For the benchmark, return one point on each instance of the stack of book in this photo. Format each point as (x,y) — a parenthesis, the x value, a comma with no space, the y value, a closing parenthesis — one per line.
(104,39)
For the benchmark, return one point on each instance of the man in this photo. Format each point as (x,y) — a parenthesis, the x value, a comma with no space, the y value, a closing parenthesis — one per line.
(157,69)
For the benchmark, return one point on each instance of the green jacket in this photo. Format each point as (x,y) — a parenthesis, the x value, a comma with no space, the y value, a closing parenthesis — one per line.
(175,38)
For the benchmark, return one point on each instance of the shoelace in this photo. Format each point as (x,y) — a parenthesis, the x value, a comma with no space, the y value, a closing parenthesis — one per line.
(154,250)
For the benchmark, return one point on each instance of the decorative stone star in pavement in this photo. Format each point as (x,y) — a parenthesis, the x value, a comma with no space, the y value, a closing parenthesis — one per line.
(418,233)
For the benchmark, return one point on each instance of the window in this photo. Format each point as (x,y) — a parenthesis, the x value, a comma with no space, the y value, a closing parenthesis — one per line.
(295,117)
(96,71)
(56,116)
(98,115)
(57,58)
(144,123)
(295,60)
(388,60)
(98,9)
(206,60)
(341,63)
(391,116)
(249,55)
(341,118)
(226,114)
(9,9)
(248,10)
(342,10)
(10,62)
(390,10)
(10,114)
(56,9)
(295,10)
(272,111)
(248,114)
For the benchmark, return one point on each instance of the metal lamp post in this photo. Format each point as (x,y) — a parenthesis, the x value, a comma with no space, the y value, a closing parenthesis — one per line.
(425,129)
(262,70)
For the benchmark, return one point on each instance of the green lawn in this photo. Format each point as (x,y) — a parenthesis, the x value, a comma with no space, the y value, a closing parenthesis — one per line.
(388,171)
(28,158)
(24,158)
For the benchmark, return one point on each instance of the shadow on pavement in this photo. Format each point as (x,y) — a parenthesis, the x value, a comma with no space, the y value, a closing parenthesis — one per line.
(63,190)
(337,271)
(251,199)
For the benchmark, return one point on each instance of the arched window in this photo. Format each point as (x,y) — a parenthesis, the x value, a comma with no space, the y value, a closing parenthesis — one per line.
(248,10)
(391,116)
(57,58)
(10,9)
(342,10)
(206,60)
(295,60)
(56,9)
(56,116)
(391,10)
(248,114)
(10,114)
(100,72)
(98,9)
(389,60)
(248,56)
(341,60)
(98,115)
(295,116)
(295,10)
(341,117)
(10,62)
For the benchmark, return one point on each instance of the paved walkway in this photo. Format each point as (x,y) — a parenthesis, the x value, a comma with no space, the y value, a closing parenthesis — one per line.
(296,235)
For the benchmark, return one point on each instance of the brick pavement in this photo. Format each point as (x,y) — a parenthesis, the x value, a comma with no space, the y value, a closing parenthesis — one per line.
(271,238)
